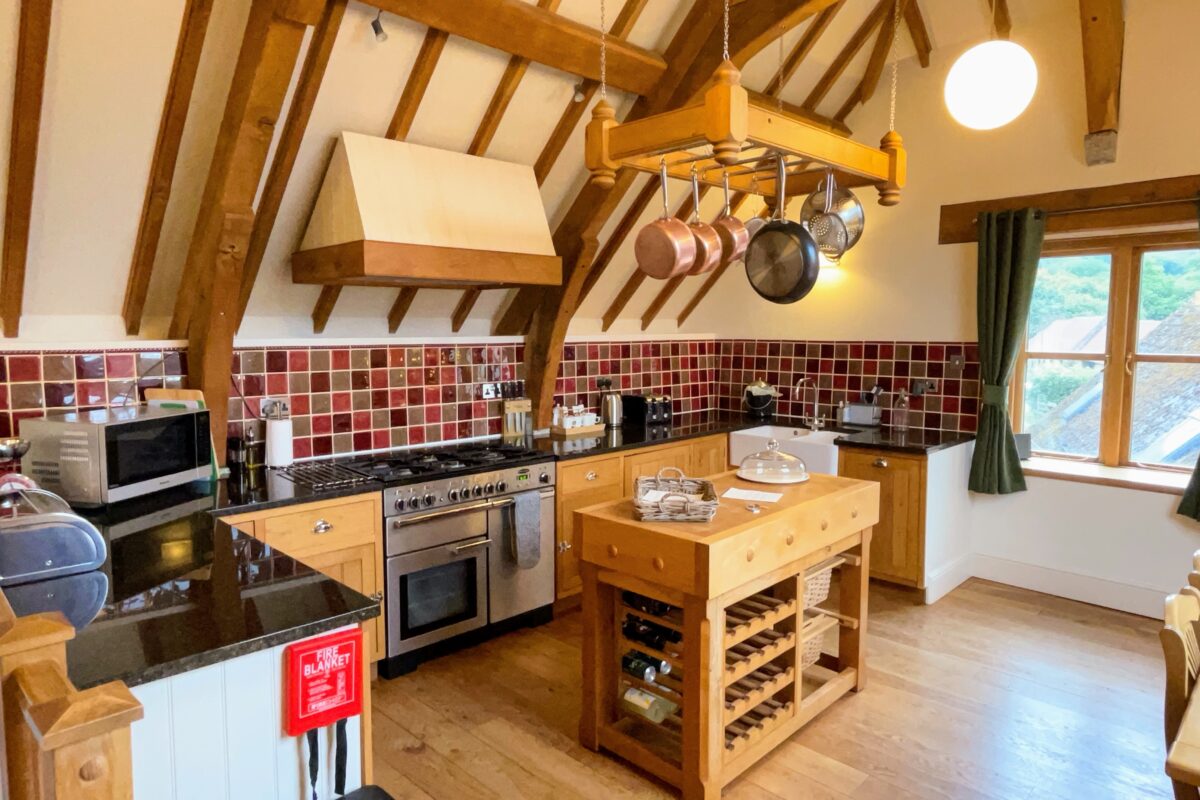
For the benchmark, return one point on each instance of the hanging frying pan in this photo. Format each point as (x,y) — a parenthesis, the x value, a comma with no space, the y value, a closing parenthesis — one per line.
(666,247)
(708,241)
(733,233)
(782,260)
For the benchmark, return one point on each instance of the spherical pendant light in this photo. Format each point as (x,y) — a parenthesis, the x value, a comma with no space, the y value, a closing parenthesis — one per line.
(991,84)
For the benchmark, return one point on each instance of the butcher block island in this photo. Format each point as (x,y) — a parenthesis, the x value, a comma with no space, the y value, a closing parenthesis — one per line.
(736,615)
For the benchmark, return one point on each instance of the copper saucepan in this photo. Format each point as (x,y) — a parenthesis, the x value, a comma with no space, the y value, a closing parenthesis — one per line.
(732,231)
(708,241)
(666,247)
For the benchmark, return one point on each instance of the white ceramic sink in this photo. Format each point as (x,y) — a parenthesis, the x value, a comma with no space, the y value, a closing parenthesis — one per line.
(815,448)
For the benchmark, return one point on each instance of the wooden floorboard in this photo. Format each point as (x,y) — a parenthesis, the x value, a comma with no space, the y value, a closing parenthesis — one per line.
(990,694)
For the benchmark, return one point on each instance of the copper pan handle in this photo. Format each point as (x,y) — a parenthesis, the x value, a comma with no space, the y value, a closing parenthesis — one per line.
(662,171)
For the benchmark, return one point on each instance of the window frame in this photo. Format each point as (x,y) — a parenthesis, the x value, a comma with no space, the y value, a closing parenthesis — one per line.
(1116,403)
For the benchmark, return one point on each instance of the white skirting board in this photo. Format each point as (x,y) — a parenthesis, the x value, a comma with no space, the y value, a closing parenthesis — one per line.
(216,733)
(947,579)
(1144,600)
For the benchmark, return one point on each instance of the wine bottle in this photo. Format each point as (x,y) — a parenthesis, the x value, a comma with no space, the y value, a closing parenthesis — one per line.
(653,636)
(639,665)
(647,705)
(660,666)
(648,604)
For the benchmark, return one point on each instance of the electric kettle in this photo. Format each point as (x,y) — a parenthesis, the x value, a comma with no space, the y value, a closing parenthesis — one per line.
(611,411)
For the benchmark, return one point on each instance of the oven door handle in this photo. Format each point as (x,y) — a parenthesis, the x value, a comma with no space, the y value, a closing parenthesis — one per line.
(458,550)
(400,522)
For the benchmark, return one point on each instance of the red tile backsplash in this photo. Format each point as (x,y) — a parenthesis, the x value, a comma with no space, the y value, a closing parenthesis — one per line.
(345,399)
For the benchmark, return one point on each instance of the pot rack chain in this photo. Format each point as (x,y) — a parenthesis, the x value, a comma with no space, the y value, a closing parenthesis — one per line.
(725,32)
(895,66)
(603,55)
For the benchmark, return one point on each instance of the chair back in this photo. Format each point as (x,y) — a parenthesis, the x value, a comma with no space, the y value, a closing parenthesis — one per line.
(1181,654)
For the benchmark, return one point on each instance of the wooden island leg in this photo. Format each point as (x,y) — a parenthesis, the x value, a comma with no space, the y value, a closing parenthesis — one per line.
(855,581)
(598,703)
(703,687)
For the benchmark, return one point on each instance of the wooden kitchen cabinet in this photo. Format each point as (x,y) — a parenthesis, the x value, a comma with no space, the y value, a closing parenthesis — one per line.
(340,538)
(897,544)
(586,482)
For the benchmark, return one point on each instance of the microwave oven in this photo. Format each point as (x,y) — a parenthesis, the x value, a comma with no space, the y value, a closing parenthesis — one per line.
(93,458)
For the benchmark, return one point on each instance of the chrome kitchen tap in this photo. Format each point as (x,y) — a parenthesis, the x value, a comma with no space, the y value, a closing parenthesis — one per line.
(814,422)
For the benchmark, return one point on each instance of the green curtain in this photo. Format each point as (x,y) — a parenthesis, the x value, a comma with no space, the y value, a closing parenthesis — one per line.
(1010,243)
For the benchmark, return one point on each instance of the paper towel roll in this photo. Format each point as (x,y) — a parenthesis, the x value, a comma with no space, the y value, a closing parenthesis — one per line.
(279,442)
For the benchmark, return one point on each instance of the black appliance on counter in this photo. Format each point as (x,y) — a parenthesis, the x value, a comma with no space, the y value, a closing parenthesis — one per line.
(468,542)
(646,409)
(761,400)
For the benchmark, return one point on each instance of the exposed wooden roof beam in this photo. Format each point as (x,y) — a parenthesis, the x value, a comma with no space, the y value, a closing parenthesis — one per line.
(571,115)
(192,28)
(709,283)
(1103,26)
(624,227)
(875,64)
(847,54)
(915,22)
(807,42)
(33,41)
(514,71)
(299,112)
(539,35)
(656,305)
(1001,19)
(637,278)
(212,275)
(324,307)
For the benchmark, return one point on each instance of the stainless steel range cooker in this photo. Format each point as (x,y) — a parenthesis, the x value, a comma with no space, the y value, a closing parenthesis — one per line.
(468,542)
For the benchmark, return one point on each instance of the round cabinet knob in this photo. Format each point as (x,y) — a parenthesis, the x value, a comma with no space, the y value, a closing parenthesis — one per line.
(543,478)
(501,486)
(477,490)
(658,564)
(489,487)
(612,551)
(791,539)
(452,495)
(429,499)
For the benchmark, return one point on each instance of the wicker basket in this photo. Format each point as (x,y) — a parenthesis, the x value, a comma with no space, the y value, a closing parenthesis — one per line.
(816,585)
(674,506)
(811,651)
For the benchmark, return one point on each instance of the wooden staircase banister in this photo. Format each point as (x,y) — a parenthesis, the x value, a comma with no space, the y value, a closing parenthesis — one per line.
(60,742)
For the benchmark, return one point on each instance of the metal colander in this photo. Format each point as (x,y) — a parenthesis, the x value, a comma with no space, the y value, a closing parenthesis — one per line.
(823,207)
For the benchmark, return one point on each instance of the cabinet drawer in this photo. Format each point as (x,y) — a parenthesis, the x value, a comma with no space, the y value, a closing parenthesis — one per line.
(324,528)
(590,474)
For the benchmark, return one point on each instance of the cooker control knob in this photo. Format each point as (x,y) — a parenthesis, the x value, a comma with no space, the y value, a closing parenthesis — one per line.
(477,490)
(543,478)
(501,486)
(429,499)
(414,502)
(489,488)
(452,495)
(399,503)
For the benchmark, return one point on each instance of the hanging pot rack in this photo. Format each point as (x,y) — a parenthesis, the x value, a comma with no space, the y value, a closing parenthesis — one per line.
(733,128)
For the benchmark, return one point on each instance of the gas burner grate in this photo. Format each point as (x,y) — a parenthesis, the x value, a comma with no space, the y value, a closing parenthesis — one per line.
(322,476)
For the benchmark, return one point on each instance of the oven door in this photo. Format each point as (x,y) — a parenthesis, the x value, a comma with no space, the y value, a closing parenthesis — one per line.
(436,593)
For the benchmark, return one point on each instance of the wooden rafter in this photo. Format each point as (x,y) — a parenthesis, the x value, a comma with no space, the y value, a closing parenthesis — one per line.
(915,22)
(525,30)
(866,87)
(1001,18)
(664,294)
(212,275)
(709,283)
(847,54)
(571,115)
(637,277)
(693,56)
(192,29)
(1103,26)
(617,238)
(514,71)
(33,41)
(807,42)
(299,112)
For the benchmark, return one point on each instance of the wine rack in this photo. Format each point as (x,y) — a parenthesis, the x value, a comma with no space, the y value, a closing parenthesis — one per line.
(665,738)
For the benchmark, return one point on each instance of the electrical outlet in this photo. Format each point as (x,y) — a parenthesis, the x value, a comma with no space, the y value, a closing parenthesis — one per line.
(958,361)
(266,406)
(922,386)
(489,391)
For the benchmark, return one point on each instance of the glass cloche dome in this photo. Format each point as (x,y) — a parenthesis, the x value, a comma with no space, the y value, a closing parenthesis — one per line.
(772,466)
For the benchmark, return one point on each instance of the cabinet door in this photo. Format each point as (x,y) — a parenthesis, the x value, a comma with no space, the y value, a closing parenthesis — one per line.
(357,568)
(566,554)
(651,462)
(897,542)
(709,456)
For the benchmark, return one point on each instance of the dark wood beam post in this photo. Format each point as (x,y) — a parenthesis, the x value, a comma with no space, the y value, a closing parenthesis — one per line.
(213,272)
(192,30)
(33,40)
(1103,26)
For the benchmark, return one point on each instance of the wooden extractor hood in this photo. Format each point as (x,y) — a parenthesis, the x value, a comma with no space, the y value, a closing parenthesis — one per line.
(392,214)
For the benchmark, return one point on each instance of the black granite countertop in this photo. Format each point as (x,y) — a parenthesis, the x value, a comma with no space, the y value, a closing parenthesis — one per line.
(261,489)
(181,589)
(911,441)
